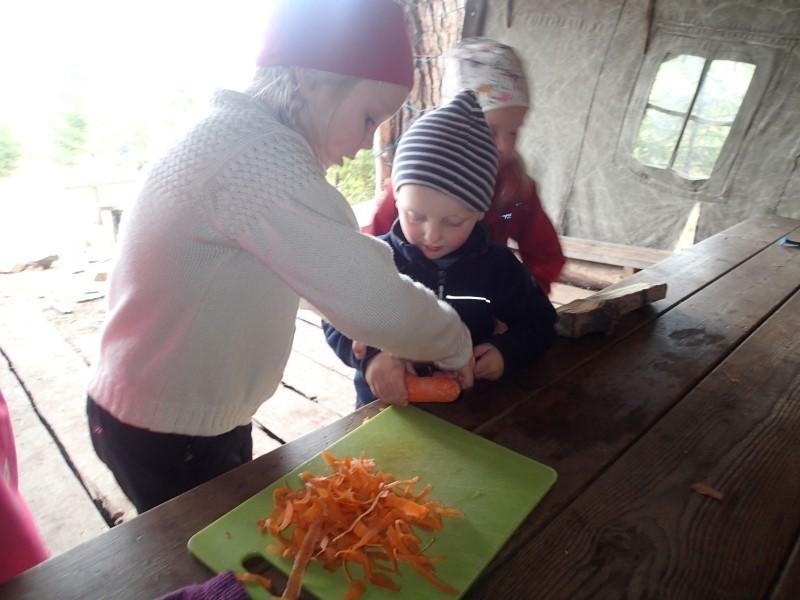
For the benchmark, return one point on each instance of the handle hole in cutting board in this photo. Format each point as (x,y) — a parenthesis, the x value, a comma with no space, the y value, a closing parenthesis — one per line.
(258,565)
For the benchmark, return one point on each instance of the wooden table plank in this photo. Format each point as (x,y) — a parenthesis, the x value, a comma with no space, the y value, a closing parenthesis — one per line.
(289,415)
(687,273)
(309,341)
(788,585)
(323,385)
(638,531)
(262,442)
(581,424)
(147,557)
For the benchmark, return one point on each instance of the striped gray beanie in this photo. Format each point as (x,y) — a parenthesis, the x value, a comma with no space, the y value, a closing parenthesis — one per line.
(451,150)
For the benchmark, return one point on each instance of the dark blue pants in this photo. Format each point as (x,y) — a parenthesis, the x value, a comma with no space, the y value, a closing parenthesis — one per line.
(364,394)
(152,467)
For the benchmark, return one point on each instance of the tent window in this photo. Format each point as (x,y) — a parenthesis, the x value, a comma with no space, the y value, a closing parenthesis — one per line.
(690,111)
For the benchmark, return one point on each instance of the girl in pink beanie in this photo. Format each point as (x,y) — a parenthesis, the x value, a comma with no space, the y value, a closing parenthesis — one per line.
(231,228)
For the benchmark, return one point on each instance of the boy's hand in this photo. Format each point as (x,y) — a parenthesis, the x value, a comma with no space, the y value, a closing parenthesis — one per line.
(385,375)
(359,349)
(489,363)
(499,328)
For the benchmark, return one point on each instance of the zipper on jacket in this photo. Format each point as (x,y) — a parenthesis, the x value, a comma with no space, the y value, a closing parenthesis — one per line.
(440,284)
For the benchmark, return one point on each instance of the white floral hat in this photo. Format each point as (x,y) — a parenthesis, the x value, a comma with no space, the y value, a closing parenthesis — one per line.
(492,70)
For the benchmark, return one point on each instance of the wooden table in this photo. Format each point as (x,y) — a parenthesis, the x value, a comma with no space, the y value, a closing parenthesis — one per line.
(704,386)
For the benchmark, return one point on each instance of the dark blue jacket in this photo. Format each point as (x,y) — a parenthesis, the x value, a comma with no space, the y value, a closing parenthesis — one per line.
(485,282)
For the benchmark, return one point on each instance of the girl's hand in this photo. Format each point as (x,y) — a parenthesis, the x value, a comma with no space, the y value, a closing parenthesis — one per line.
(465,375)
(385,375)
(489,363)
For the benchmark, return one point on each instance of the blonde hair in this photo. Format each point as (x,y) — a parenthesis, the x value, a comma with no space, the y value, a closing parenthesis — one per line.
(276,86)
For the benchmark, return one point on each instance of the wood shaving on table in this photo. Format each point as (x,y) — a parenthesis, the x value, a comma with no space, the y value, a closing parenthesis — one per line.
(706,490)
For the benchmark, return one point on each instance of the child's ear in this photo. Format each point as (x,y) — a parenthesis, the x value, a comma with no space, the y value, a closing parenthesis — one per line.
(480,216)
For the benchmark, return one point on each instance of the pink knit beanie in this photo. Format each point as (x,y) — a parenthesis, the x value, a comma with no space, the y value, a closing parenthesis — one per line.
(362,38)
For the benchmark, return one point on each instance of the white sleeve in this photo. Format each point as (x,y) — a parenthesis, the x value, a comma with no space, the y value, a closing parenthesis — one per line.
(299,226)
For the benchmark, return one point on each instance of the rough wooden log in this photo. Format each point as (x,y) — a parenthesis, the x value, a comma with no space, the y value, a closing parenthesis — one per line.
(590,275)
(561,293)
(601,311)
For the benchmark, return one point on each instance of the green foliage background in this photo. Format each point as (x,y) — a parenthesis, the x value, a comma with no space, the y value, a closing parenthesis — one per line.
(10,152)
(355,179)
(70,133)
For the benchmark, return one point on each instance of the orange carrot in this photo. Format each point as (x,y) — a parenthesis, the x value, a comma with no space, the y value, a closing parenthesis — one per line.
(431,389)
(248,577)
(357,518)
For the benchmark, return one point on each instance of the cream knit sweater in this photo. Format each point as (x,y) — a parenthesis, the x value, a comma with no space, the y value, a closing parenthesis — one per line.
(230,228)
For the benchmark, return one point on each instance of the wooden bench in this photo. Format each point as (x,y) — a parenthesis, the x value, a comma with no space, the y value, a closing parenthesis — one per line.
(595,265)
(608,253)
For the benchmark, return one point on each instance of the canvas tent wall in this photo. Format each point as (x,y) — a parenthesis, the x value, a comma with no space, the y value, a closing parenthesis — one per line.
(593,65)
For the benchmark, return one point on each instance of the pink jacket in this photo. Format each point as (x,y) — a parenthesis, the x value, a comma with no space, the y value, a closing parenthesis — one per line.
(21,546)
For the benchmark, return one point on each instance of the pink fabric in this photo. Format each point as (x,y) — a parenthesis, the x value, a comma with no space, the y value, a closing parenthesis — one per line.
(21,546)
(363,38)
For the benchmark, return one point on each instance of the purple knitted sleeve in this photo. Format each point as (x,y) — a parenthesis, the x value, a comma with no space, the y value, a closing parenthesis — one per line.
(224,586)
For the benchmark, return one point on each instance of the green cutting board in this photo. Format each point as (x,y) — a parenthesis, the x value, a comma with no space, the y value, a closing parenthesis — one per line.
(495,487)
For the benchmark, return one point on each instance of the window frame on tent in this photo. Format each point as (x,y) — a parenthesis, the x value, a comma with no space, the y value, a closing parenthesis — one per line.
(665,46)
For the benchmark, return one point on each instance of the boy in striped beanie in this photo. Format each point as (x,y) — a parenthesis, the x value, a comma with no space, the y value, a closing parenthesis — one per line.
(444,177)
(494,71)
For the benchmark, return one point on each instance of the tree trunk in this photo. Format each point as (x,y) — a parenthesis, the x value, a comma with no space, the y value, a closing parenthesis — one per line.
(433,26)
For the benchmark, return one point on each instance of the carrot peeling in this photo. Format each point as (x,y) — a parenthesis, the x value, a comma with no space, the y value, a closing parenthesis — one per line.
(248,577)
(359,519)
